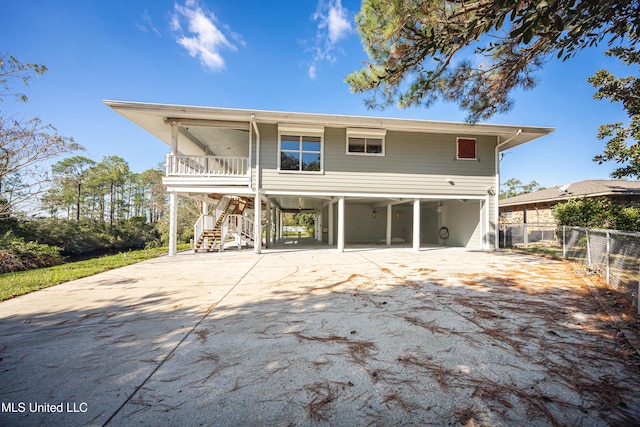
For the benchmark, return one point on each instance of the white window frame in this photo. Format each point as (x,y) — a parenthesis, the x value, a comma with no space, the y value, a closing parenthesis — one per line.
(301,131)
(458,148)
(366,134)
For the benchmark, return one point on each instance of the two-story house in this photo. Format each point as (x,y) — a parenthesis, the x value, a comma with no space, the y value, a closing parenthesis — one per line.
(366,179)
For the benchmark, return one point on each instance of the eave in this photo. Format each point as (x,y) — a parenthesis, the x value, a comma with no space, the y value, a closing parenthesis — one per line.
(157,119)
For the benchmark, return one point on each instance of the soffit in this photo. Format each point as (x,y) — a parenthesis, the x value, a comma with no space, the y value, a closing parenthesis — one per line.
(155,119)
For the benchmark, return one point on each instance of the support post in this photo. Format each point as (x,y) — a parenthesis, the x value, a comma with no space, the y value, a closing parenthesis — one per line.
(257,224)
(173,223)
(317,228)
(487,225)
(341,224)
(389,223)
(268,225)
(330,234)
(564,241)
(174,148)
(416,225)
(274,225)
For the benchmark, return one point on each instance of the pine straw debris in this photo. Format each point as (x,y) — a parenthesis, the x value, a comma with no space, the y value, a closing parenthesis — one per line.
(357,350)
(322,395)
(442,375)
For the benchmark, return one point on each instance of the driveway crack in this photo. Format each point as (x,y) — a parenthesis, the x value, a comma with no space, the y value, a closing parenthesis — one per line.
(173,350)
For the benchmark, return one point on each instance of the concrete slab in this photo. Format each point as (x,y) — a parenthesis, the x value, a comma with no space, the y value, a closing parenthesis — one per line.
(298,337)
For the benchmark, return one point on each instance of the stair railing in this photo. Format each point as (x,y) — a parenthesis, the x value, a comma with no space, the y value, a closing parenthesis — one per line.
(198,229)
(204,223)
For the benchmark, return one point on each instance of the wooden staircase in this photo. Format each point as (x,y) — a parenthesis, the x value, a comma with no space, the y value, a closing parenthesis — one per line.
(214,239)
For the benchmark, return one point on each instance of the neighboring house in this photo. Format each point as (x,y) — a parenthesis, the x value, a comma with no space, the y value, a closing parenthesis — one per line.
(537,207)
(366,179)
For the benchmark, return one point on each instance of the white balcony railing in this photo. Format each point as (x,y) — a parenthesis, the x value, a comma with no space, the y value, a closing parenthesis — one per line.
(179,165)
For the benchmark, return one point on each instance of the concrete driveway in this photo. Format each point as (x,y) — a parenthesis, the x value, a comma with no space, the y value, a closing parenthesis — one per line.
(306,337)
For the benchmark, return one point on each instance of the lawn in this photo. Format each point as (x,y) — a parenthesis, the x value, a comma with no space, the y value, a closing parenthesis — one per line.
(23,282)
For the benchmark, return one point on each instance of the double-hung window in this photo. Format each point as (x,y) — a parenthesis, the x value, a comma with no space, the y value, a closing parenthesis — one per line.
(365,142)
(300,149)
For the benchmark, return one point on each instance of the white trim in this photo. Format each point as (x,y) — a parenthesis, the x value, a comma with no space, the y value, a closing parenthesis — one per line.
(298,129)
(173,223)
(203,181)
(330,224)
(487,233)
(365,153)
(389,224)
(341,211)
(416,225)
(240,190)
(373,195)
(301,133)
(366,134)
(139,111)
(285,171)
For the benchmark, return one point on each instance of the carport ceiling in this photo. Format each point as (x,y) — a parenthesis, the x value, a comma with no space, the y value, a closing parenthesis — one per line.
(298,203)
(290,203)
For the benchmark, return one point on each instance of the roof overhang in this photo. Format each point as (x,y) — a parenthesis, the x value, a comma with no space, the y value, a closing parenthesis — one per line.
(533,202)
(564,197)
(158,118)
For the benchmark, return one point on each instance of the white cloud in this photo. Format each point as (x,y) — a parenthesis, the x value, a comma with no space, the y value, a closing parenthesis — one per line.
(334,24)
(147,24)
(338,22)
(202,38)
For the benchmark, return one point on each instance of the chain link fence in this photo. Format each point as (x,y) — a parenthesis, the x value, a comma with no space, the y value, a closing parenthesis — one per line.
(518,234)
(612,254)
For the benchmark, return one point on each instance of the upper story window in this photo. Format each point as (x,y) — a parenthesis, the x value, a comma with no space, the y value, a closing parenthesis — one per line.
(300,149)
(366,142)
(466,149)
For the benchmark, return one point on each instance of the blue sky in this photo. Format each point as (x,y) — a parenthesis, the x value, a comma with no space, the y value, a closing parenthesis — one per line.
(287,55)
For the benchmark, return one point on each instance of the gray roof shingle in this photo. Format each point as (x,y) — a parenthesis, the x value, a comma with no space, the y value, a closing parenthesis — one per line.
(587,188)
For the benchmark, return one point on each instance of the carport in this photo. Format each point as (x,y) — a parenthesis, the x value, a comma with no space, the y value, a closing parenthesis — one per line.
(385,219)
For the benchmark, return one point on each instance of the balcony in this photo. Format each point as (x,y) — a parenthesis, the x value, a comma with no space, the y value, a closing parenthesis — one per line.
(207,170)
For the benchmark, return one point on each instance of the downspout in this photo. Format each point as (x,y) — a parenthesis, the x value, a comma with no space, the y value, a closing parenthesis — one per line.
(496,214)
(257,220)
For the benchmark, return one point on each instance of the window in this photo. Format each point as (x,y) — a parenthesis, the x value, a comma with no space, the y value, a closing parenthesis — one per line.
(300,149)
(365,142)
(467,149)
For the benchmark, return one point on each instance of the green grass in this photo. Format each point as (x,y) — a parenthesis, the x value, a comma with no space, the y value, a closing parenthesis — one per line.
(23,282)
(294,234)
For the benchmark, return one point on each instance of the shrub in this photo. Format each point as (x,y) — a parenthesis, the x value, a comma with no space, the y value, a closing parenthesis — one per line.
(597,213)
(89,236)
(17,254)
(9,262)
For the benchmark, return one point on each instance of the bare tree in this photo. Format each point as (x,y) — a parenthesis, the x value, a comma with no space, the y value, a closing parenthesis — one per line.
(25,144)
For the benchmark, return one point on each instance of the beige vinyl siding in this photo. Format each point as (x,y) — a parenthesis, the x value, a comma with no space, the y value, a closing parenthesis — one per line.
(414,163)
